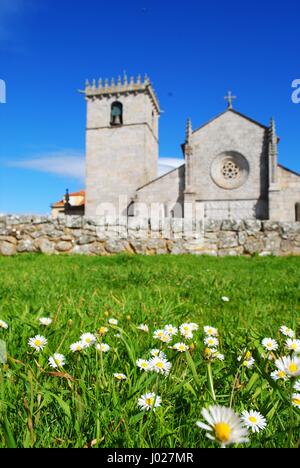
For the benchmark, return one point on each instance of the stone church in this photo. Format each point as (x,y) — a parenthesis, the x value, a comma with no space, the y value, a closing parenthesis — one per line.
(230,168)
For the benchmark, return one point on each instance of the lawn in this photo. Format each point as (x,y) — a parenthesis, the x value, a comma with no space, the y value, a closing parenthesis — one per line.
(83,404)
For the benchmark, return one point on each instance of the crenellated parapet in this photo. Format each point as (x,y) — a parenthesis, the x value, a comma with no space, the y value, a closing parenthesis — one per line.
(121,86)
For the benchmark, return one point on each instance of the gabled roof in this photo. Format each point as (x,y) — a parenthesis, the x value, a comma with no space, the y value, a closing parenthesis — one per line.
(234,112)
(161,177)
(289,170)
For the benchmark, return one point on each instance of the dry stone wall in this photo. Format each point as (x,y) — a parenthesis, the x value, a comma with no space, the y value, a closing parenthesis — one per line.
(91,236)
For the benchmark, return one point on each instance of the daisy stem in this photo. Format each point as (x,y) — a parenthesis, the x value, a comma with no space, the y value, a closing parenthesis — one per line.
(292,421)
(234,385)
(211,382)
(102,370)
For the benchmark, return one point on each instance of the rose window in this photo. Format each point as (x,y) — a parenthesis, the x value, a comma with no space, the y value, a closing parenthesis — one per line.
(230,170)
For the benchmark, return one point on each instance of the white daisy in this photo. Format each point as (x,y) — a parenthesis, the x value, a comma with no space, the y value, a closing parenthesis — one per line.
(158,353)
(3,325)
(58,360)
(103,347)
(289,365)
(296,400)
(297,386)
(224,426)
(211,331)
(113,321)
(220,356)
(269,344)
(45,321)
(279,375)
(186,331)
(38,342)
(211,341)
(293,345)
(194,326)
(102,331)
(287,331)
(249,363)
(248,360)
(253,420)
(149,401)
(143,364)
(225,299)
(88,339)
(120,376)
(77,347)
(144,328)
(160,365)
(181,347)
(171,330)
(163,336)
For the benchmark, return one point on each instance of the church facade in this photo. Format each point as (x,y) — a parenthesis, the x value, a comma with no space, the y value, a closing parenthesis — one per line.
(230,168)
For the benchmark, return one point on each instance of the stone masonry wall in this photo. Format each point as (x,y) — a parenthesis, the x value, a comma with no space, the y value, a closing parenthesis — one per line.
(88,236)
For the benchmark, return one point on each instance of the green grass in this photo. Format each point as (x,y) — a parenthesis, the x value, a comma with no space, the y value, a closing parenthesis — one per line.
(84,403)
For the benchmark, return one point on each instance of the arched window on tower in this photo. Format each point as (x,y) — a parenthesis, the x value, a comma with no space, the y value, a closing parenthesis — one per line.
(297,212)
(116,117)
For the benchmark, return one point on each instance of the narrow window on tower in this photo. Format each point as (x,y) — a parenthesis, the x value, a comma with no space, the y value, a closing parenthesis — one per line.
(116,117)
(297,212)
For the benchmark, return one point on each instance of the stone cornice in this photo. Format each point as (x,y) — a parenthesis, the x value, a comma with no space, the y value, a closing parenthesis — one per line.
(121,88)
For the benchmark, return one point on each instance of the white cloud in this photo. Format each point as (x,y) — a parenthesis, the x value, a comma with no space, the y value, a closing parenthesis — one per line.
(71,163)
(67,163)
(167,164)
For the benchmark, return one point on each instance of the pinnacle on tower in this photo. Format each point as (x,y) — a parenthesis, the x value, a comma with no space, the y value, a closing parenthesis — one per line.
(273,136)
(189,131)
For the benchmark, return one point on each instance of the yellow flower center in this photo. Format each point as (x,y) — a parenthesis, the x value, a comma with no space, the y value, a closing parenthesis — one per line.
(144,365)
(160,365)
(222,432)
(296,401)
(149,401)
(293,346)
(38,342)
(253,419)
(293,367)
(248,355)
(78,348)
(281,374)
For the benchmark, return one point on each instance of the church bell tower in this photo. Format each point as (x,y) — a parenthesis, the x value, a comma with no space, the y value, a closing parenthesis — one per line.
(121,142)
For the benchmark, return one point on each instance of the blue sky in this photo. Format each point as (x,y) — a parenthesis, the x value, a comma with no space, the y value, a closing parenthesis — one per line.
(193,51)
